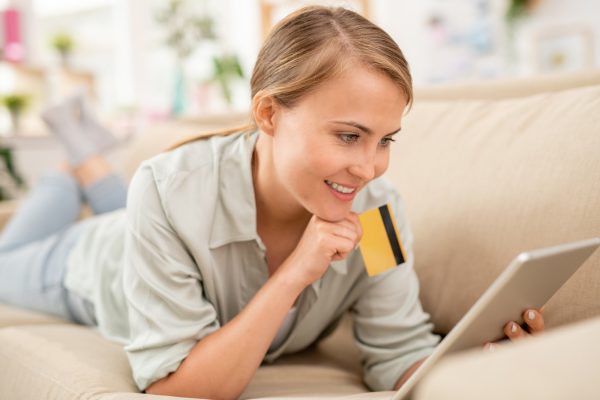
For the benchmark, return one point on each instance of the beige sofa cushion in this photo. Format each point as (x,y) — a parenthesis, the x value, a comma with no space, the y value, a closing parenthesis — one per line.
(486,179)
(67,361)
(559,365)
(508,88)
(12,316)
(60,362)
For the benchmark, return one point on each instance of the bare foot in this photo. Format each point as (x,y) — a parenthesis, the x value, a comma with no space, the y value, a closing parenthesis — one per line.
(91,170)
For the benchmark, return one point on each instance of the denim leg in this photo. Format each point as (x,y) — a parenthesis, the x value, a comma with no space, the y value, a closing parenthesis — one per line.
(107,194)
(32,275)
(51,206)
(34,254)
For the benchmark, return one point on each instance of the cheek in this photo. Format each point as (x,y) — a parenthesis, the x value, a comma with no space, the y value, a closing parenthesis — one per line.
(382,163)
(295,161)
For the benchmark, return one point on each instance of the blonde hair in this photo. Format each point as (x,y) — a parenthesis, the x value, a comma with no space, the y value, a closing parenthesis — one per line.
(314,44)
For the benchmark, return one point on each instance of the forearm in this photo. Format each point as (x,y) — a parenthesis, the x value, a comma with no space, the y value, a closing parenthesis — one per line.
(408,373)
(222,364)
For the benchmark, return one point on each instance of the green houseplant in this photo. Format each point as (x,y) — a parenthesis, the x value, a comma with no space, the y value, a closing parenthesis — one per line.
(226,68)
(516,12)
(63,43)
(15,104)
(184,31)
(11,182)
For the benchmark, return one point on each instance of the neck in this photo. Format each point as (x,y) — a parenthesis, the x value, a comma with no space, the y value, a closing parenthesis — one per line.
(275,207)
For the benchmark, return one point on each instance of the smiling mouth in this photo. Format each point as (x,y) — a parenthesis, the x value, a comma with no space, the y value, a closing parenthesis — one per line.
(339,188)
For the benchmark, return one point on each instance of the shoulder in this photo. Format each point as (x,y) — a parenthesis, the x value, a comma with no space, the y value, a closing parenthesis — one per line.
(198,154)
(191,182)
(198,161)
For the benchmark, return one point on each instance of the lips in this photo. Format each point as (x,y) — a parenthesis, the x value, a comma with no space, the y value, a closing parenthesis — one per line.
(340,188)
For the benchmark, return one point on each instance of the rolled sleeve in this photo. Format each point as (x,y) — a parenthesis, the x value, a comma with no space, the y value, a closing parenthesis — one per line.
(390,327)
(167,310)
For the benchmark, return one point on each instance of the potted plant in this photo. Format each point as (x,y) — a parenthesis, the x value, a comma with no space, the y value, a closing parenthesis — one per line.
(226,69)
(15,104)
(63,43)
(516,12)
(184,31)
(11,183)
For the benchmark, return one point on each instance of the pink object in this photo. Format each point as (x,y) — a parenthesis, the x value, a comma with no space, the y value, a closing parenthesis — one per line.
(13,45)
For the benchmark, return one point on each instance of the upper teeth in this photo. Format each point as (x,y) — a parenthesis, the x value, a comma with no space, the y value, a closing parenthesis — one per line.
(339,188)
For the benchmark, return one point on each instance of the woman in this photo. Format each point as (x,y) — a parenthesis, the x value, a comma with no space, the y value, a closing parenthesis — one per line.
(239,247)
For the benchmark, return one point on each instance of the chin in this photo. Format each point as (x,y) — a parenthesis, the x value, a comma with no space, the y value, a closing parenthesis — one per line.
(332,214)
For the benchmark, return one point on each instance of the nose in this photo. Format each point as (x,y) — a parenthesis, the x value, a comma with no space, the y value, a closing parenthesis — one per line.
(364,167)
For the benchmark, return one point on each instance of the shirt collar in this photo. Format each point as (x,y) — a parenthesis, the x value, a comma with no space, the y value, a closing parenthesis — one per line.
(235,210)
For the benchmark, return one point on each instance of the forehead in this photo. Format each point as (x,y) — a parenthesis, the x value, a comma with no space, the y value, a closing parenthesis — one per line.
(358,93)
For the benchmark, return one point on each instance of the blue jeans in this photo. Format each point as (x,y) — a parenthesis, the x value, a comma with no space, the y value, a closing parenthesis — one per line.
(35,244)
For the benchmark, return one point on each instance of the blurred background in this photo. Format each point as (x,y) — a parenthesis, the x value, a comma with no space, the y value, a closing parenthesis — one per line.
(146,62)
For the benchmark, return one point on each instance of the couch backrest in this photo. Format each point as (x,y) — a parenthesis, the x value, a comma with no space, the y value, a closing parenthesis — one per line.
(487,170)
(508,88)
(487,176)
(159,136)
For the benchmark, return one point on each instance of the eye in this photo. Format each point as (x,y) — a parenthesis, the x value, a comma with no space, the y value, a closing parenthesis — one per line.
(348,137)
(386,141)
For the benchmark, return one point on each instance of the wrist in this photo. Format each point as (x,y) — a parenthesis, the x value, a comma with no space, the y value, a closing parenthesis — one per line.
(289,279)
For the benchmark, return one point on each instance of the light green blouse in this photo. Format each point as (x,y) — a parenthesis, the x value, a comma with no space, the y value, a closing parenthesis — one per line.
(185,258)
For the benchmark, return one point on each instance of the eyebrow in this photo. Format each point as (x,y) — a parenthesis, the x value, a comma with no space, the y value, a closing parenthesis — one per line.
(364,128)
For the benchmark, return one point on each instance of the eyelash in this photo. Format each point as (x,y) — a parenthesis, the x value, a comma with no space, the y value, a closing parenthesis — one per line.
(350,138)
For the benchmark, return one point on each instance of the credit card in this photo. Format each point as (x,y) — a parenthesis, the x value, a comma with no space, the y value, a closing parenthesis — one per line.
(380,246)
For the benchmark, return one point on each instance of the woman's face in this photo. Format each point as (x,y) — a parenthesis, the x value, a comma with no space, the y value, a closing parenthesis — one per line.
(336,139)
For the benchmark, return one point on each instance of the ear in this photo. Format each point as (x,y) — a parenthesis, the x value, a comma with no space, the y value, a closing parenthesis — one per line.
(264,109)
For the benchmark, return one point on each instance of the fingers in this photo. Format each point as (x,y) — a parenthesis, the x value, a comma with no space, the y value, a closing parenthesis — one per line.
(357,228)
(346,234)
(353,217)
(513,331)
(348,228)
(534,321)
(345,229)
(342,238)
(489,346)
(534,324)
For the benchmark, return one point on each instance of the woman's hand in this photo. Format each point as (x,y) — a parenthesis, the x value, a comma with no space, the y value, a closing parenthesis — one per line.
(322,242)
(534,324)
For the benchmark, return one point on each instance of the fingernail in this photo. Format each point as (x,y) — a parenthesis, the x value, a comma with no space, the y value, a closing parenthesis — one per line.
(513,328)
(530,315)
(491,347)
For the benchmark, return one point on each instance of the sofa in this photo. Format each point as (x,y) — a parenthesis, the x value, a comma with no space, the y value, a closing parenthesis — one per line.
(487,170)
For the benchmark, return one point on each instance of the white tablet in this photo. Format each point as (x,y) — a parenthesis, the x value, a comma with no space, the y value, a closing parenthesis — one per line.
(529,282)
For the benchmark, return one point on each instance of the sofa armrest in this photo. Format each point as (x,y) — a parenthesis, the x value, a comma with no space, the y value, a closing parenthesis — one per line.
(560,364)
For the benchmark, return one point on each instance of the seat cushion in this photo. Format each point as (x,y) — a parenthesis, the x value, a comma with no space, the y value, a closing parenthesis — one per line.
(68,361)
(60,362)
(485,180)
(558,365)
